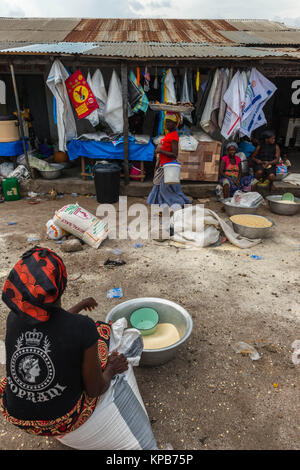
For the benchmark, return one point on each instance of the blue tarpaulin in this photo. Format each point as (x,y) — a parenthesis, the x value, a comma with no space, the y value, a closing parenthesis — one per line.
(12,149)
(109,151)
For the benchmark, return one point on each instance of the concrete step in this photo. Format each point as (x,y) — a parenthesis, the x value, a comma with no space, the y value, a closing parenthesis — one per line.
(69,185)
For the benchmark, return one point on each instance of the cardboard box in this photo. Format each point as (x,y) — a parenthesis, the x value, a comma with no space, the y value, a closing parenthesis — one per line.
(202,164)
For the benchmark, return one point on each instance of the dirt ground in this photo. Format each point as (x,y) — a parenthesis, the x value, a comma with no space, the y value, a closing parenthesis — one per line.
(208,397)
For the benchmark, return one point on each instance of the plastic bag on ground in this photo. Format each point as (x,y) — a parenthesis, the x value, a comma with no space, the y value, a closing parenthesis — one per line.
(246,349)
(250,199)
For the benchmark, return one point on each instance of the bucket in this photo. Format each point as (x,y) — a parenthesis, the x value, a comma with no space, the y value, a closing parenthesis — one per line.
(11,189)
(9,129)
(172,172)
(107,182)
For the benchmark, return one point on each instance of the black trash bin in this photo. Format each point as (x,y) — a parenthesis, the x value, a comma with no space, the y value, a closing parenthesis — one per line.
(107,182)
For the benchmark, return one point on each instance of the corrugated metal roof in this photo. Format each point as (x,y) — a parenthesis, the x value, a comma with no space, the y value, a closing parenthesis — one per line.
(264,37)
(259,25)
(144,50)
(173,31)
(58,48)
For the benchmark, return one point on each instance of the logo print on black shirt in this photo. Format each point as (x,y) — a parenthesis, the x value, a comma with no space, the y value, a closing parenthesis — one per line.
(31,367)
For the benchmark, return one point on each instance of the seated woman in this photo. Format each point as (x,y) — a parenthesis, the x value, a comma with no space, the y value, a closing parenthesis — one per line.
(231,172)
(265,158)
(57,360)
(167,152)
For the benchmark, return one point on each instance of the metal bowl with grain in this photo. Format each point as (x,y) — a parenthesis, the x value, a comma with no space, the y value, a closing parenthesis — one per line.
(252,232)
(283,208)
(168,312)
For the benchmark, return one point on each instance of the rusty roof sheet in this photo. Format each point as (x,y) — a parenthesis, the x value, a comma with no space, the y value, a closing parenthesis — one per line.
(172,31)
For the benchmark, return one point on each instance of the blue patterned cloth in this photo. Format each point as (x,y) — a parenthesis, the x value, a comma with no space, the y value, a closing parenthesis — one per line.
(167,194)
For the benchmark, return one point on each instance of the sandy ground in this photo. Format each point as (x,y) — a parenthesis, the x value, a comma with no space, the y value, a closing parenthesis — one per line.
(208,397)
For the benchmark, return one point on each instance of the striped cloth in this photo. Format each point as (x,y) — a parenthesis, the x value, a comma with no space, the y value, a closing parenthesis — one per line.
(143,103)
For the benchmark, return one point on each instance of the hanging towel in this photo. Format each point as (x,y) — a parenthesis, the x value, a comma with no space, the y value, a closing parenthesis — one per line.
(114,104)
(66,126)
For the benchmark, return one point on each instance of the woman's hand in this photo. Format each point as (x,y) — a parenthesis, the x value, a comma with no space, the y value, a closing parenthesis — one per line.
(117,363)
(88,304)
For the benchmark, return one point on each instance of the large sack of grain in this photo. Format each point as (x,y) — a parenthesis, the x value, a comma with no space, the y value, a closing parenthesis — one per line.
(81,223)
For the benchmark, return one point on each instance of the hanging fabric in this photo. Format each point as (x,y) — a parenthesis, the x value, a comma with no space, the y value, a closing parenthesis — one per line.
(146,80)
(114,104)
(185,97)
(259,91)
(169,84)
(138,76)
(143,103)
(206,116)
(66,126)
(222,108)
(204,92)
(214,125)
(155,84)
(234,98)
(197,80)
(97,86)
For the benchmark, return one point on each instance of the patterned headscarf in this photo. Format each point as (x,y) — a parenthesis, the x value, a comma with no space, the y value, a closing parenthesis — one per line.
(35,283)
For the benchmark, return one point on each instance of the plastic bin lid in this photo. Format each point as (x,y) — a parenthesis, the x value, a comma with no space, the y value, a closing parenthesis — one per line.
(104,166)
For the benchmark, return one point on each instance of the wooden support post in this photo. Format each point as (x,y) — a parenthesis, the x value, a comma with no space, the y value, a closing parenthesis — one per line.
(12,71)
(124,79)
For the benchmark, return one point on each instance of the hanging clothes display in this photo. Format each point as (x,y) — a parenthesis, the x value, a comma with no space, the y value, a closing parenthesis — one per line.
(114,105)
(259,91)
(206,116)
(66,126)
(234,98)
(97,86)
(155,83)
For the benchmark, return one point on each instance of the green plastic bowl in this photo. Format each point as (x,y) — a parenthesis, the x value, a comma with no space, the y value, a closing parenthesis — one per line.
(145,320)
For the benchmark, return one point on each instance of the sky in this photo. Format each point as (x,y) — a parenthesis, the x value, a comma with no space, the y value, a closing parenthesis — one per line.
(287,11)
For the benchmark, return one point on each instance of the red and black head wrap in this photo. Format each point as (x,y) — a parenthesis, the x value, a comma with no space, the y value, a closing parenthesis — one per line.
(35,283)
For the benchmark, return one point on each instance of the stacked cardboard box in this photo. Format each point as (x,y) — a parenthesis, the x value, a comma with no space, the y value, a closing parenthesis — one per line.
(202,164)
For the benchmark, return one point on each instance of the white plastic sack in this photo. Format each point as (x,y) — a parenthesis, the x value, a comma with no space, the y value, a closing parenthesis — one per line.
(66,126)
(114,106)
(250,199)
(188,143)
(21,173)
(235,99)
(81,223)
(191,224)
(120,420)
